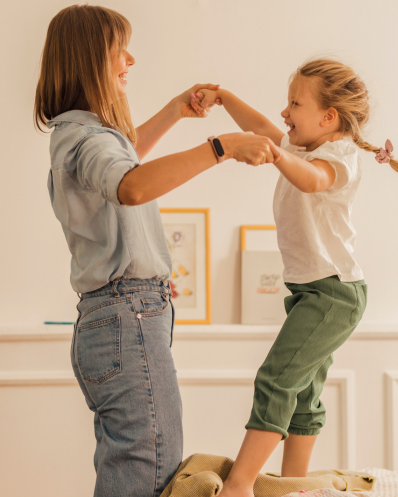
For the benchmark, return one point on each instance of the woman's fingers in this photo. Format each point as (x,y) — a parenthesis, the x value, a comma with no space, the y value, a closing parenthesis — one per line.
(253,149)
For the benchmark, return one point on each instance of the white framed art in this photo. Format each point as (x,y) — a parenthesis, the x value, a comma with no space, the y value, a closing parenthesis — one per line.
(263,288)
(188,238)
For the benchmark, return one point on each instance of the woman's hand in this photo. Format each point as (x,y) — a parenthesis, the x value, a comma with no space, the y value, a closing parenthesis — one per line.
(205,99)
(183,102)
(250,148)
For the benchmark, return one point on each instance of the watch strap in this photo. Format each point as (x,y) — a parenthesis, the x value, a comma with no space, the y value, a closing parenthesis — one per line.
(217,148)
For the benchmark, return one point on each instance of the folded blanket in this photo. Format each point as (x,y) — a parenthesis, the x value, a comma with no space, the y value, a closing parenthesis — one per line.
(201,475)
(328,492)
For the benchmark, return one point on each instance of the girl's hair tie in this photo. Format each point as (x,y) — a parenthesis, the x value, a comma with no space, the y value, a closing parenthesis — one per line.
(384,156)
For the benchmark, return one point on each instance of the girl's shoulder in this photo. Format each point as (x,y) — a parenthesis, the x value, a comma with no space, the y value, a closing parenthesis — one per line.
(342,148)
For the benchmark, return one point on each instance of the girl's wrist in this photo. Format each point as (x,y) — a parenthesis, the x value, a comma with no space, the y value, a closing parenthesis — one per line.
(221,93)
(175,108)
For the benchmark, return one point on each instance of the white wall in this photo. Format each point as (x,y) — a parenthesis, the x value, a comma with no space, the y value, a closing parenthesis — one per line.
(248,47)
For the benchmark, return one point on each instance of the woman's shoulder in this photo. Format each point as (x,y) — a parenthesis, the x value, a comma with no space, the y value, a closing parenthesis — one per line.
(75,129)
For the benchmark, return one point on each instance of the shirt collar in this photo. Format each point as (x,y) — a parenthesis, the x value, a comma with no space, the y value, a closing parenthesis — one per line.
(76,116)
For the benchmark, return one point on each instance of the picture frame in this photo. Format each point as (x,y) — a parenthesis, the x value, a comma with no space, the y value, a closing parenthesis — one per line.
(251,227)
(262,290)
(187,233)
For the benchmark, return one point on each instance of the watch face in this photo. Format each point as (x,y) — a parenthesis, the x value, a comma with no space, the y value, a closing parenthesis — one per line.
(218,147)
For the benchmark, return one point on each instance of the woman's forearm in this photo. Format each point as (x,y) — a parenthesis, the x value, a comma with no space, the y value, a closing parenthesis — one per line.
(151,131)
(156,178)
(247,118)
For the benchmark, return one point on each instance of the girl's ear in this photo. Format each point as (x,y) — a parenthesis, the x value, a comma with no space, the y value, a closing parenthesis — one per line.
(330,117)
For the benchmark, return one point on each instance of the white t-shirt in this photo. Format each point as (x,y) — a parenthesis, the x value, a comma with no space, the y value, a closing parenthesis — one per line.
(315,234)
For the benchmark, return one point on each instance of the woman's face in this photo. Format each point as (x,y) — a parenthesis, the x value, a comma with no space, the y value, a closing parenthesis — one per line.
(121,60)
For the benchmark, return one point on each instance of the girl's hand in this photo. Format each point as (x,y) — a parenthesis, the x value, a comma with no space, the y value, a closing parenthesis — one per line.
(183,102)
(205,99)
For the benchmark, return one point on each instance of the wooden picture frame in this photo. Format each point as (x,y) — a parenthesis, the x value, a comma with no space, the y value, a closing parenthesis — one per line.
(188,237)
(243,230)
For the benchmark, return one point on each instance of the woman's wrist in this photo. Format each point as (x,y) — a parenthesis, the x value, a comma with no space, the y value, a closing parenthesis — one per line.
(228,145)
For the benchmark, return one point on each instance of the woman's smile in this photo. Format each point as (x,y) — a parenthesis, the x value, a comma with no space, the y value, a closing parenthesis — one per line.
(122,78)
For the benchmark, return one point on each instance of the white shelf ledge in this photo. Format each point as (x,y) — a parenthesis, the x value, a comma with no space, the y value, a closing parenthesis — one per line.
(31,332)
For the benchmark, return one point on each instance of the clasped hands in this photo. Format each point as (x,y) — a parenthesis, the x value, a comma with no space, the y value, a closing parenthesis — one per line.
(243,147)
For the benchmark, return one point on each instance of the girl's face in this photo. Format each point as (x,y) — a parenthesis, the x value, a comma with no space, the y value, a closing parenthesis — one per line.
(308,123)
(121,60)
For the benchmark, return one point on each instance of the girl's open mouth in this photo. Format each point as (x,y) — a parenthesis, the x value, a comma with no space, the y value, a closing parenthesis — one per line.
(292,128)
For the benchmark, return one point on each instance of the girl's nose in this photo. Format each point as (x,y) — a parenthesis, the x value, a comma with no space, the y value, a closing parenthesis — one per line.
(285,112)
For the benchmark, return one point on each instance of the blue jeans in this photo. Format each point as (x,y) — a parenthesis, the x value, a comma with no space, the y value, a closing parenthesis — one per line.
(122,360)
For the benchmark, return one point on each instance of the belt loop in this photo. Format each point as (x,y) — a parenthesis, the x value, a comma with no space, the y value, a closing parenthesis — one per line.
(114,287)
(166,284)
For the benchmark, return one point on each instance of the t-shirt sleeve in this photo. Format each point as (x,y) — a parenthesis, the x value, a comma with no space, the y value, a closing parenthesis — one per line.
(344,165)
(101,164)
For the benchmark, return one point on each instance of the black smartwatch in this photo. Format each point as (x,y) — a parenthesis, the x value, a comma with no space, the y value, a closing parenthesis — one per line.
(217,148)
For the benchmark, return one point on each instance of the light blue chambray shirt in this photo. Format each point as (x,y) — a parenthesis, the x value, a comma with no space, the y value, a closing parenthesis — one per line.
(107,239)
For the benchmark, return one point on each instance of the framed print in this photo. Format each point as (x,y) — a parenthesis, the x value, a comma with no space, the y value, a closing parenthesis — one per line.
(263,289)
(188,237)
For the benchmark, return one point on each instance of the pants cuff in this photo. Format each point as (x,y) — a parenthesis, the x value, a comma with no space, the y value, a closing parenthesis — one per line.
(295,431)
(264,426)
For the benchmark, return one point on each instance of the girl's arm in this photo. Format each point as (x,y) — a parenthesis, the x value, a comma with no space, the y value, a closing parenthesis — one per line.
(247,118)
(308,176)
(149,133)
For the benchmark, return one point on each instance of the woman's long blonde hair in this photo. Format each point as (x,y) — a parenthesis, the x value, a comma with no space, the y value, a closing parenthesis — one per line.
(338,86)
(76,68)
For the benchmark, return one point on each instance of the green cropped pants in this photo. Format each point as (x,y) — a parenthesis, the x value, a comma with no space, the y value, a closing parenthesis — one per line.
(321,315)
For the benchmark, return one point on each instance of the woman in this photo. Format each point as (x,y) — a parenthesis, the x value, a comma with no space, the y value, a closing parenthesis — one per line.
(120,261)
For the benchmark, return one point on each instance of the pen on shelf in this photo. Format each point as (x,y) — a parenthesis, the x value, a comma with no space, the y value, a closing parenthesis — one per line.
(59,322)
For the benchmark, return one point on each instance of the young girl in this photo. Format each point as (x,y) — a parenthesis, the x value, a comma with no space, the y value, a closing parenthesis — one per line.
(105,202)
(320,173)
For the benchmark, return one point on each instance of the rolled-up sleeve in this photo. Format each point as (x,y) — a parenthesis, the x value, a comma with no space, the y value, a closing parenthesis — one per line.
(101,164)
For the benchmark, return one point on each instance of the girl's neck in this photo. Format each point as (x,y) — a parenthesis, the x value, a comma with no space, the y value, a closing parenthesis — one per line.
(330,137)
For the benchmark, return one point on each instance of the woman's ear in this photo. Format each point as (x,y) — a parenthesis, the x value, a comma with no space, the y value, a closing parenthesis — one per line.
(330,117)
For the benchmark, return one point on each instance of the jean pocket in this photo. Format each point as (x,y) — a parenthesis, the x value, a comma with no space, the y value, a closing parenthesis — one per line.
(98,349)
(150,303)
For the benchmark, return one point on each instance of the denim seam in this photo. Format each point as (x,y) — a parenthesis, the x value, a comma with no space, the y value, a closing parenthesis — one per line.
(313,331)
(150,314)
(125,300)
(153,403)
(100,322)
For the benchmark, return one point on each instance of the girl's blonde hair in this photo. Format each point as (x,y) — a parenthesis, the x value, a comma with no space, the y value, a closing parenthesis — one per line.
(76,67)
(338,86)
